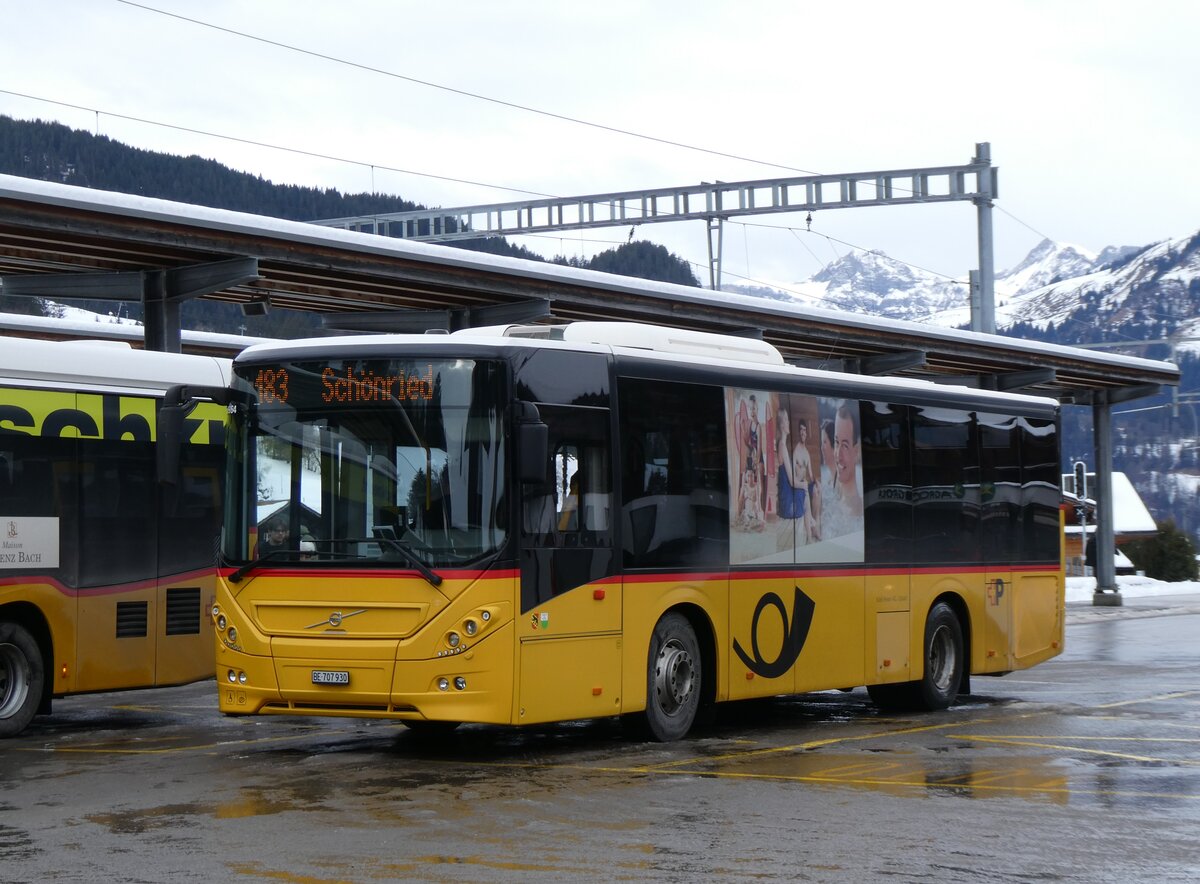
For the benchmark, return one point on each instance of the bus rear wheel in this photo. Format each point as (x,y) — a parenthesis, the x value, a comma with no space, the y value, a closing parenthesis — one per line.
(22,677)
(673,678)
(944,658)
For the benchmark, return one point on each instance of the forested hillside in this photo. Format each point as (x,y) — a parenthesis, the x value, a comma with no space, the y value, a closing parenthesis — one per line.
(54,152)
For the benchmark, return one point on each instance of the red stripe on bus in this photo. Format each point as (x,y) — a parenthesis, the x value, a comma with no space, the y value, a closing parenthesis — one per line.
(110,589)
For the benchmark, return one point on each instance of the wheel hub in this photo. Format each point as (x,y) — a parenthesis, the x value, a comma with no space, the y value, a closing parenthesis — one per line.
(14,680)
(674,676)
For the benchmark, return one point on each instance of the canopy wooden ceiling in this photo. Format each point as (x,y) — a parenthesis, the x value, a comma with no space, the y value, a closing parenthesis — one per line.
(47,228)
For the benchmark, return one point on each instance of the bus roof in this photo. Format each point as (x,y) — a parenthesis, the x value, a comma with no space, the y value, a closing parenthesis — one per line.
(629,340)
(104,365)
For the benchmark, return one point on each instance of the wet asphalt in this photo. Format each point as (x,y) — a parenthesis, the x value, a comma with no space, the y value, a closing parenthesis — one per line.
(1086,768)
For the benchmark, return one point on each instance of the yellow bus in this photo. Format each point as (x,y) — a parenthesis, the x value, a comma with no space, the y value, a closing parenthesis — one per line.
(520,525)
(106,573)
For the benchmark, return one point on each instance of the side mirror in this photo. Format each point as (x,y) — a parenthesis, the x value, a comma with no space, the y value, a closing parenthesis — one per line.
(176,405)
(533,443)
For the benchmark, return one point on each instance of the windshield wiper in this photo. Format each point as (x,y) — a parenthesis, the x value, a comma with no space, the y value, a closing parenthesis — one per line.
(387,534)
(236,576)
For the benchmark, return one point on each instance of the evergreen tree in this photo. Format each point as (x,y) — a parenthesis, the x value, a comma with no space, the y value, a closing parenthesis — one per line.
(1170,555)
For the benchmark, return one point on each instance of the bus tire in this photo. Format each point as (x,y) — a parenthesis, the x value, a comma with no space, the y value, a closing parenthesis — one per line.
(22,678)
(673,678)
(943,675)
(943,648)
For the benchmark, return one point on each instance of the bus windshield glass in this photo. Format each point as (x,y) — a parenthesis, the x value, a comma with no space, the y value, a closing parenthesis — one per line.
(396,461)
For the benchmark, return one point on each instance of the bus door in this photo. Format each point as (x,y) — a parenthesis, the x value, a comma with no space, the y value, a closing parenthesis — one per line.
(1000,511)
(118,543)
(569,628)
(189,529)
(888,503)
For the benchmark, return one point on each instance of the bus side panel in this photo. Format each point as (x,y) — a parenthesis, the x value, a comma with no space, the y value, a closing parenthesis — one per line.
(763,646)
(566,678)
(646,599)
(795,633)
(887,652)
(1037,618)
(185,630)
(116,640)
(570,654)
(832,655)
(996,641)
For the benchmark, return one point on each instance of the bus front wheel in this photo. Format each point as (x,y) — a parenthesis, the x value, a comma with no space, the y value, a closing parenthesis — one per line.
(22,677)
(673,678)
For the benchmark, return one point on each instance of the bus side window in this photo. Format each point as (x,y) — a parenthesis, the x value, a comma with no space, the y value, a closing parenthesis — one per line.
(39,478)
(887,483)
(573,507)
(675,506)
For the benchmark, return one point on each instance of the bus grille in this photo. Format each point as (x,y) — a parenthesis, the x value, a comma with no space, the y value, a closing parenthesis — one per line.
(131,619)
(183,611)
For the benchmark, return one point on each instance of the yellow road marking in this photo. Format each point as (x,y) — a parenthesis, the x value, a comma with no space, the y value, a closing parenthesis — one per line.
(1175,696)
(1025,741)
(819,744)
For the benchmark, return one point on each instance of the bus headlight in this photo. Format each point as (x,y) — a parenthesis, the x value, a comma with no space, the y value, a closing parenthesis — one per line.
(470,627)
(453,640)
(232,635)
(221,621)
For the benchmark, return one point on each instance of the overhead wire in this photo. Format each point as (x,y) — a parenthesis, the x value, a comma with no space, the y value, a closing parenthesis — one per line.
(465,93)
(296,150)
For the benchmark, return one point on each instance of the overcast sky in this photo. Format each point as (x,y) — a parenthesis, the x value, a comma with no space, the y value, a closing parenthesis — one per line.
(1089,107)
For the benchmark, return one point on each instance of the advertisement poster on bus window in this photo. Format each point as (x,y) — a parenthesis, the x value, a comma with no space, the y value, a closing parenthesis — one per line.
(795,478)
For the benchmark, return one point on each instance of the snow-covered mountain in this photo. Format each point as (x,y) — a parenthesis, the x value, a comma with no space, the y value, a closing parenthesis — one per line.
(1052,283)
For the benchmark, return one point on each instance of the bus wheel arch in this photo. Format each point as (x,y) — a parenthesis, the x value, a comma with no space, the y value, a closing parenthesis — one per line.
(944,649)
(680,673)
(945,661)
(25,668)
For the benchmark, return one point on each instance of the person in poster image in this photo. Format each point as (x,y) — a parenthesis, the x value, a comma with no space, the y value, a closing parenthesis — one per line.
(783,457)
(847,451)
(805,482)
(827,458)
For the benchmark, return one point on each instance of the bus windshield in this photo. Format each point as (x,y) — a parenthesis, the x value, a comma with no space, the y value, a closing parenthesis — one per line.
(368,461)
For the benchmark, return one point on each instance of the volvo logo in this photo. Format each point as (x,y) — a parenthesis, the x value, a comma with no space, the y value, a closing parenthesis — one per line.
(794,635)
(335,619)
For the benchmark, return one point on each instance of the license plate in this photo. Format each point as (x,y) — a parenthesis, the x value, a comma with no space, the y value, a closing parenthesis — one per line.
(327,676)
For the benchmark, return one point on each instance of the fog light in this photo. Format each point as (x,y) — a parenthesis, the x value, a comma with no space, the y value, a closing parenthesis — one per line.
(443,684)
(241,678)
(470,627)
(233,634)
(232,677)
(460,683)
(221,621)
(452,639)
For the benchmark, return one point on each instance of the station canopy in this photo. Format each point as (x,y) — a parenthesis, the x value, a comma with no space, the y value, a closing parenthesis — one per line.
(79,243)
